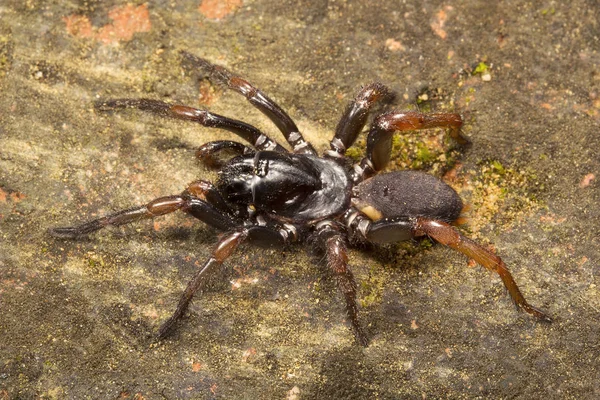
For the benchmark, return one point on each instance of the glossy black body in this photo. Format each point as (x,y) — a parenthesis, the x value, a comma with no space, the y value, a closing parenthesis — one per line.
(286,187)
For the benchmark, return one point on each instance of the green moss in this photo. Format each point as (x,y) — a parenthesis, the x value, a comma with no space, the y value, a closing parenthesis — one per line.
(355,153)
(548,11)
(497,167)
(481,68)
(429,150)
(424,155)
(425,244)
(95,262)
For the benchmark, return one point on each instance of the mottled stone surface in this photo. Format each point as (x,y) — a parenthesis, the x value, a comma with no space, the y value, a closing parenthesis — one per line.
(77,317)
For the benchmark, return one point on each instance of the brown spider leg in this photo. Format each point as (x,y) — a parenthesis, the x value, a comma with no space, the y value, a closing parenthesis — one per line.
(224,249)
(258,99)
(379,140)
(354,119)
(449,236)
(208,206)
(205,118)
(265,236)
(337,261)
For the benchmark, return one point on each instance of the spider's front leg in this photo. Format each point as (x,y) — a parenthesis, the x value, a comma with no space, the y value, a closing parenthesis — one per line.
(334,242)
(258,99)
(224,249)
(208,153)
(389,230)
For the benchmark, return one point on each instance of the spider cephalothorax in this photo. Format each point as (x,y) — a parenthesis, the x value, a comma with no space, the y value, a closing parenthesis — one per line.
(269,196)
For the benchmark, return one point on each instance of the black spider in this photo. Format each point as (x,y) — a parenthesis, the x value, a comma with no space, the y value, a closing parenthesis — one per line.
(271,197)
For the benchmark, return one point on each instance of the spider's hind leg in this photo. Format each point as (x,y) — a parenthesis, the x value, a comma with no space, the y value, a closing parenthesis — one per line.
(449,236)
(379,140)
(390,230)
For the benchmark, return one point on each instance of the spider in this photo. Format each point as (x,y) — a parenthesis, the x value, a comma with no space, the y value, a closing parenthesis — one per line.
(269,196)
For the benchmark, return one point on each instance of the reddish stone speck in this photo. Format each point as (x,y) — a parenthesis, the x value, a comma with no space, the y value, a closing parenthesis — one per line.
(196,366)
(207,93)
(79,26)
(127,20)
(585,182)
(438,23)
(218,9)
(16,197)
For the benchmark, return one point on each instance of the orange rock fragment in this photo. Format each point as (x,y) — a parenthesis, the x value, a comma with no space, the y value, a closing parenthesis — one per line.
(218,9)
(127,20)
(585,182)
(79,26)
(440,20)
(394,45)
(196,366)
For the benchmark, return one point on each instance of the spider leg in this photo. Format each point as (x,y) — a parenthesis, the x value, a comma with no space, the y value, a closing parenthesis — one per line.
(205,118)
(265,236)
(354,119)
(224,249)
(388,230)
(258,99)
(337,261)
(208,206)
(449,236)
(208,152)
(379,140)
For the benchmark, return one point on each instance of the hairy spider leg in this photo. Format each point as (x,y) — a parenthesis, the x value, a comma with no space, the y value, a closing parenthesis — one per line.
(337,261)
(388,230)
(354,118)
(379,140)
(205,118)
(258,99)
(208,152)
(200,200)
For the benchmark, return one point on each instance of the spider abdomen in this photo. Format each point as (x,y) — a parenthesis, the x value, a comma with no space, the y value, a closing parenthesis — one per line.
(407,194)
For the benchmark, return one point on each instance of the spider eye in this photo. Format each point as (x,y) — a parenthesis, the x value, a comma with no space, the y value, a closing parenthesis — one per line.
(261,168)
